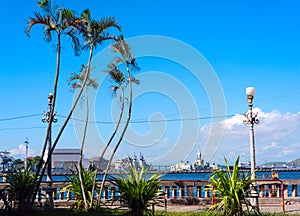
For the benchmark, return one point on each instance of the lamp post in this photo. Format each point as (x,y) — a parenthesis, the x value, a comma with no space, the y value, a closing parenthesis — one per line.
(26,153)
(251,119)
(47,118)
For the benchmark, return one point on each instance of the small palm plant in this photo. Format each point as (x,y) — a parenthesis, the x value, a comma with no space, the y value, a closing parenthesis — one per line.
(20,183)
(231,187)
(136,191)
(87,177)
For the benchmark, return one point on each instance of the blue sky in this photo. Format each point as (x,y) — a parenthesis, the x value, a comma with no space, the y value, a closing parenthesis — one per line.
(247,43)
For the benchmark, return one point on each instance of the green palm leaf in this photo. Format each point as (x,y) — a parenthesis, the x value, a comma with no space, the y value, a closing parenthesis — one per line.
(136,191)
(75,187)
(231,186)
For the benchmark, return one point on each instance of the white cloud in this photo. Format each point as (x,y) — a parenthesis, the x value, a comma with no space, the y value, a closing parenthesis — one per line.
(20,152)
(287,152)
(273,145)
(277,137)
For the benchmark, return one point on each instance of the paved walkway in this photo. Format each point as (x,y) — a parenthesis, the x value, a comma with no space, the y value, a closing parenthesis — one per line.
(293,208)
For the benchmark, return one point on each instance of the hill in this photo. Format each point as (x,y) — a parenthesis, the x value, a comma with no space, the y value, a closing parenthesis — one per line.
(295,162)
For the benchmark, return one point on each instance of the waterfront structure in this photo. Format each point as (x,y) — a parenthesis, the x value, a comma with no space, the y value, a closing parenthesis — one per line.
(65,159)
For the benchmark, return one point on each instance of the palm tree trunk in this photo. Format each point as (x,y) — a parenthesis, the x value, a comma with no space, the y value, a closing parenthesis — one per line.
(66,120)
(117,127)
(39,176)
(82,145)
(111,138)
(123,132)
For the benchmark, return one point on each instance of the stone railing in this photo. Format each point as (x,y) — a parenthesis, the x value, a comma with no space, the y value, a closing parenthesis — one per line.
(183,192)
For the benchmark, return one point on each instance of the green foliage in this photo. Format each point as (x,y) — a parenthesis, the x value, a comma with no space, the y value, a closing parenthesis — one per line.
(136,191)
(231,187)
(33,162)
(20,185)
(55,20)
(76,79)
(87,178)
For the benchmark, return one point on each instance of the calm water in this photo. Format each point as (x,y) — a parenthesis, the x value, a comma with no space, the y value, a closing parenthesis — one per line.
(203,176)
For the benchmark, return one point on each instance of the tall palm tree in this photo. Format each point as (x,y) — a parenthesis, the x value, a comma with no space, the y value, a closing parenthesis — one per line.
(119,83)
(94,33)
(56,20)
(122,49)
(76,81)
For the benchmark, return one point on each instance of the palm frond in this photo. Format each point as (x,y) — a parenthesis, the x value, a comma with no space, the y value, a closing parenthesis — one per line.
(76,79)
(108,22)
(73,35)
(136,191)
(75,187)
(37,18)
(123,48)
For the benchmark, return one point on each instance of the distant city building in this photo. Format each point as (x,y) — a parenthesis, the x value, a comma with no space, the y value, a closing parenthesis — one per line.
(198,164)
(181,167)
(66,159)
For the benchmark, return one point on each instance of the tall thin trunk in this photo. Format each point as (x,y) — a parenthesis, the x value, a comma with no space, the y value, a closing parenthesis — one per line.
(86,122)
(39,176)
(66,120)
(117,126)
(123,132)
(82,145)
(110,139)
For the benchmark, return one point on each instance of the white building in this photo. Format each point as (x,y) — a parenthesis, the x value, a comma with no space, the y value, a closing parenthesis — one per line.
(197,165)
(181,167)
(199,162)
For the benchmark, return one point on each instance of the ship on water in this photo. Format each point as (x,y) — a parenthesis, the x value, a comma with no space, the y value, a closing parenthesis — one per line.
(6,161)
(122,164)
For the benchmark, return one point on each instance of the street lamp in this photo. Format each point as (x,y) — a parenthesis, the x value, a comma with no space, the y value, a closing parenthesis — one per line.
(26,153)
(251,119)
(47,118)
